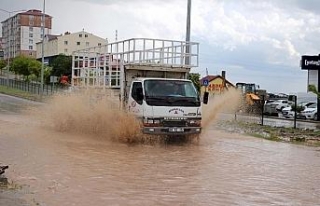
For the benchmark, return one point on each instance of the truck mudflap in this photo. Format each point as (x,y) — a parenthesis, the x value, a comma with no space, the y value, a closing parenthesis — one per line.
(172,130)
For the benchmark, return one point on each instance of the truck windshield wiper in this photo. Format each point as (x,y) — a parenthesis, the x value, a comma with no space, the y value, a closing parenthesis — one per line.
(174,100)
(192,100)
(156,97)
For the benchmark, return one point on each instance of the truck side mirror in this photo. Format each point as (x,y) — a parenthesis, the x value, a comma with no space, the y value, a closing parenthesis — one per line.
(139,94)
(205,97)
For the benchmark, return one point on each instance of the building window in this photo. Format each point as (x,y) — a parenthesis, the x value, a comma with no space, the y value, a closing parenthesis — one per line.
(87,43)
(30,47)
(78,43)
(99,44)
(31,29)
(65,42)
(31,19)
(30,41)
(86,35)
(80,35)
(31,35)
(30,54)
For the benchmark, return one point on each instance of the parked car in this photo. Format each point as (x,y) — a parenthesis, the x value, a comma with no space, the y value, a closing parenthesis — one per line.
(287,112)
(310,112)
(274,107)
(282,104)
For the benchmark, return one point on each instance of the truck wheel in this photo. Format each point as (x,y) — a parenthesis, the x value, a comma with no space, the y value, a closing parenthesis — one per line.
(194,138)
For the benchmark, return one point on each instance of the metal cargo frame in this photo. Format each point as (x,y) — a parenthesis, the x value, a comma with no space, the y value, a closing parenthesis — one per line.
(101,66)
(104,67)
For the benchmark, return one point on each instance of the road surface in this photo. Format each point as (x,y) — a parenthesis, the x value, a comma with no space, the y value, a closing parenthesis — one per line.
(50,167)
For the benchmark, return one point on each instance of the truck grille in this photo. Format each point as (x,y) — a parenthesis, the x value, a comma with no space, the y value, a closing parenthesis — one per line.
(172,123)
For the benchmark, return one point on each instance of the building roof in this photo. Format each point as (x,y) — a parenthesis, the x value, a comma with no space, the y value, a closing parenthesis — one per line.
(52,37)
(213,77)
(49,37)
(209,77)
(34,12)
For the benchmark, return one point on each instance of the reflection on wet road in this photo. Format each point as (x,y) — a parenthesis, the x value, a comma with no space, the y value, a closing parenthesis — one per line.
(223,169)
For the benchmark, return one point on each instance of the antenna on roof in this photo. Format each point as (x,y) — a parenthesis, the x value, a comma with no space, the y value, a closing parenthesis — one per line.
(116,35)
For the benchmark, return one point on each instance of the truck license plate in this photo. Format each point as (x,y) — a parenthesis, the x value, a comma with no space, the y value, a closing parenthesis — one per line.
(174,129)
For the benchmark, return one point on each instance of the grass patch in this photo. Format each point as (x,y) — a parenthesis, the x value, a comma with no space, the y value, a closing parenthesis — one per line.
(19,93)
(279,134)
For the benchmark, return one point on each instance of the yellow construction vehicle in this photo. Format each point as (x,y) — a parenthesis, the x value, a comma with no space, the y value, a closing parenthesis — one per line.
(252,96)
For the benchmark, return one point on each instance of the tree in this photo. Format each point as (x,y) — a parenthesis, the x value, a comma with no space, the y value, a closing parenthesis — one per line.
(19,65)
(26,66)
(312,88)
(3,64)
(195,78)
(34,67)
(47,73)
(61,65)
(298,108)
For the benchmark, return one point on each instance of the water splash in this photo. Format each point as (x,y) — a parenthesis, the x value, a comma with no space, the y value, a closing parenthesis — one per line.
(228,101)
(90,113)
(96,114)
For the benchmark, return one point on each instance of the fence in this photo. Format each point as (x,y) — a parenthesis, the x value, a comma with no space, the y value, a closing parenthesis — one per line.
(32,87)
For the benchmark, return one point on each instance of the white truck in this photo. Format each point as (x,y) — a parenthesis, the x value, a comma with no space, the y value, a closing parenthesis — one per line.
(150,77)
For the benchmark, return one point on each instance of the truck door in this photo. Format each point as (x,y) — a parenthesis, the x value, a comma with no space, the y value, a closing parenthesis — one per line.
(136,99)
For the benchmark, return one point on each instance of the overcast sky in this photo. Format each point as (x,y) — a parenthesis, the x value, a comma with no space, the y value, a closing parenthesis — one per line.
(253,41)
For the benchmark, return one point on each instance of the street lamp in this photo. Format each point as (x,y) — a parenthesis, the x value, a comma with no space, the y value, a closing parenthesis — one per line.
(187,60)
(9,36)
(42,46)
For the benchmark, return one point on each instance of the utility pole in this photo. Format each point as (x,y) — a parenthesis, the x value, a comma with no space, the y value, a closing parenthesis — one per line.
(42,47)
(9,45)
(187,60)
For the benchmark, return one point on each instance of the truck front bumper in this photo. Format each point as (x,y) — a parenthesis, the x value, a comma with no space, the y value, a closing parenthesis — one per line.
(171,130)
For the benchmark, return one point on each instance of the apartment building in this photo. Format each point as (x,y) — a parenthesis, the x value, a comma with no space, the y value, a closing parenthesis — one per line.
(1,49)
(67,43)
(22,31)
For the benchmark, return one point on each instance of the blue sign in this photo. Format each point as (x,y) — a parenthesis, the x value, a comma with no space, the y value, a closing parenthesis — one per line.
(205,82)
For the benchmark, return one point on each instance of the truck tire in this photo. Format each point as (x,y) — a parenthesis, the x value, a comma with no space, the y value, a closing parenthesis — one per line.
(193,138)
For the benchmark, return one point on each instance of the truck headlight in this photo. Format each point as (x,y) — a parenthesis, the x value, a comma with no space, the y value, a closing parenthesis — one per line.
(195,123)
(151,122)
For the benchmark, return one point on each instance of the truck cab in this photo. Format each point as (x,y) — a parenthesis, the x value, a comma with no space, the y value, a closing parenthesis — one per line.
(150,78)
(166,106)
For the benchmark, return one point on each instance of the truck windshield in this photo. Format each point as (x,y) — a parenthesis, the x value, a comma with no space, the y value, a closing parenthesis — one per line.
(171,93)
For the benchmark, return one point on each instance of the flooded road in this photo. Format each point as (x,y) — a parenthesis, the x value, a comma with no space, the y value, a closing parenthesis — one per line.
(58,168)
